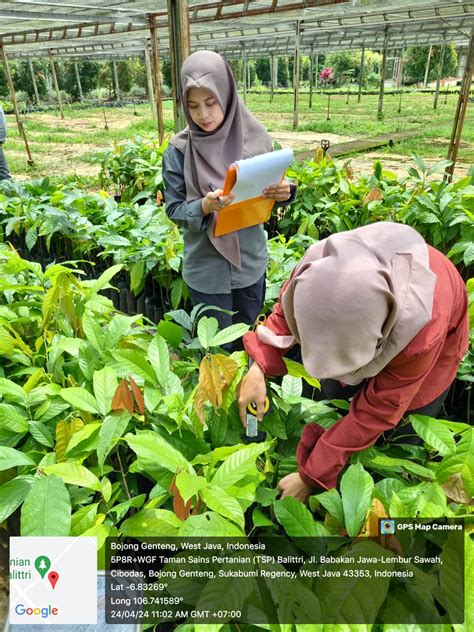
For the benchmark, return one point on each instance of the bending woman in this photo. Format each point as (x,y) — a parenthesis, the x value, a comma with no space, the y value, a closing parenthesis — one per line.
(227,271)
(379,314)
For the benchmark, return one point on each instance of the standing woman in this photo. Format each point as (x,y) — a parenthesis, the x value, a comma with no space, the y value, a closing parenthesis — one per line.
(226,271)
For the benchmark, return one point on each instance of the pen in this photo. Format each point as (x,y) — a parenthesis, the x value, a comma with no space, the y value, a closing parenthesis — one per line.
(213,188)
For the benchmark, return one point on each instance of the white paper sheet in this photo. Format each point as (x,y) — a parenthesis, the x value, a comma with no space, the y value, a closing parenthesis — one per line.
(254,174)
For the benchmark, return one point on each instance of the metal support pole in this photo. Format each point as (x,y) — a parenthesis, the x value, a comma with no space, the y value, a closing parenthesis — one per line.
(149,78)
(244,73)
(382,75)
(427,68)
(361,74)
(156,72)
(400,80)
(296,74)
(19,122)
(272,76)
(316,71)
(180,48)
(440,74)
(78,81)
(116,81)
(33,79)
(461,110)
(311,76)
(56,85)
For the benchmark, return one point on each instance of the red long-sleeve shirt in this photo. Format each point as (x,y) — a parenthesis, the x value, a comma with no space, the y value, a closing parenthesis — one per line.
(414,378)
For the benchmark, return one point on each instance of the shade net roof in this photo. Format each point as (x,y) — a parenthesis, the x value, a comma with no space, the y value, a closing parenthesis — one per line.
(114,29)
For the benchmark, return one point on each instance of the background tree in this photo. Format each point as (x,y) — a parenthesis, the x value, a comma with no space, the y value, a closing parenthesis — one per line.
(262,67)
(416,58)
(283,72)
(88,74)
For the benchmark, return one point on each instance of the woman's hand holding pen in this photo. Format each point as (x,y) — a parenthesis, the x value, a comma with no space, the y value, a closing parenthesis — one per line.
(279,192)
(214,201)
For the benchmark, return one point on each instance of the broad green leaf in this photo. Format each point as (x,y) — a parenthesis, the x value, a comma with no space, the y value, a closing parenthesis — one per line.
(47,509)
(346,598)
(159,358)
(296,519)
(12,420)
(111,430)
(151,523)
(462,461)
(131,362)
(229,334)
(13,493)
(83,519)
(189,484)
(291,387)
(9,457)
(172,333)
(259,519)
(356,492)
(219,501)
(206,330)
(93,331)
(451,576)
(239,464)
(41,433)
(104,278)
(295,369)
(84,440)
(389,463)
(105,385)
(426,500)
(468,624)
(137,276)
(152,449)
(121,509)
(75,474)
(106,489)
(80,399)
(209,525)
(12,391)
(332,502)
(434,434)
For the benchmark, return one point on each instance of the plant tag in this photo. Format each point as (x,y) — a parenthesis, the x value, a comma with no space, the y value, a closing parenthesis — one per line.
(252,426)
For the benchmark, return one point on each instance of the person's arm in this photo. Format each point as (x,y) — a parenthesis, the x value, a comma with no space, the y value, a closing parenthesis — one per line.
(194,215)
(378,407)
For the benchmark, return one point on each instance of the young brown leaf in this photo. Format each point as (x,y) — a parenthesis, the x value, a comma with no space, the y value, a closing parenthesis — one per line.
(140,402)
(181,509)
(376,512)
(456,491)
(123,399)
(372,195)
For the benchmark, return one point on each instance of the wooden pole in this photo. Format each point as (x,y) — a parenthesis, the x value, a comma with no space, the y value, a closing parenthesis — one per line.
(116,81)
(56,85)
(180,49)
(149,78)
(440,74)
(461,110)
(78,81)
(311,76)
(382,75)
(296,74)
(156,72)
(33,79)
(19,122)
(427,68)
(361,74)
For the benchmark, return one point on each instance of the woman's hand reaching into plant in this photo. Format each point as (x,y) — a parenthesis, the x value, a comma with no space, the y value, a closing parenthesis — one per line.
(294,485)
(252,390)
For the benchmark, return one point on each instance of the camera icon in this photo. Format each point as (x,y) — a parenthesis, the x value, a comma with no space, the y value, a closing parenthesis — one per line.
(387,527)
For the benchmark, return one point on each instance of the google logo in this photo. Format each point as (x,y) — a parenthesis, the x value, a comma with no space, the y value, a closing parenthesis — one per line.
(45,612)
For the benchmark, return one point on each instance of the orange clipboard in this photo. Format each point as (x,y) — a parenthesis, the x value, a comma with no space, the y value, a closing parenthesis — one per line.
(243,214)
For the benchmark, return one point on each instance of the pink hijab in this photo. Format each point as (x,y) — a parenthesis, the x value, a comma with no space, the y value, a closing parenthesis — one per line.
(356,299)
(207,155)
